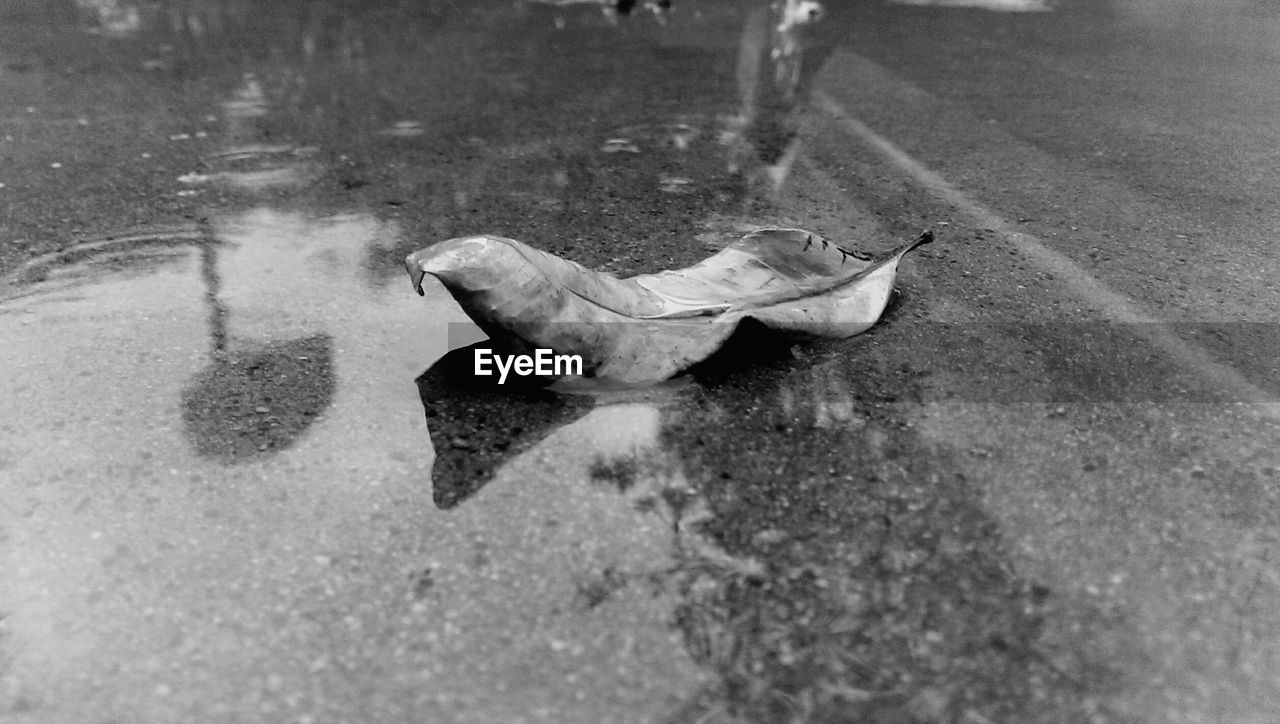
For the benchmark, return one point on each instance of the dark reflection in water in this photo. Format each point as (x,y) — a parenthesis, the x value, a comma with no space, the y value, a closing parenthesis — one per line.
(887,594)
(476,424)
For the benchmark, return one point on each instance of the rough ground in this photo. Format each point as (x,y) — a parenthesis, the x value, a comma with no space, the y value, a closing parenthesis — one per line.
(1012,501)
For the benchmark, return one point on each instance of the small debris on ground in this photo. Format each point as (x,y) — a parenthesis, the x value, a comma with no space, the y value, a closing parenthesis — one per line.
(619,145)
(403,129)
(675,184)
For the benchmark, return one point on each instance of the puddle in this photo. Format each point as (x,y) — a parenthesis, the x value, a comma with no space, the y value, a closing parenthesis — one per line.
(104,367)
(229,449)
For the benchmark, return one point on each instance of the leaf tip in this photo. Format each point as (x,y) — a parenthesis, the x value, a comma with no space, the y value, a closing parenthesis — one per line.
(925,237)
(416,274)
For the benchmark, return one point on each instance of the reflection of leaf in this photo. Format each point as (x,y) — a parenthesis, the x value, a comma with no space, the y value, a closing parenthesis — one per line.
(652,326)
(476,425)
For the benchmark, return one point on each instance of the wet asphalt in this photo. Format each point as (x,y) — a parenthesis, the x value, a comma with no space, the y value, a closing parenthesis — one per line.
(245,476)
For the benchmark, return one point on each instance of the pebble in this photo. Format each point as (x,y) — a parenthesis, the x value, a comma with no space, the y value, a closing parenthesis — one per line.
(768,536)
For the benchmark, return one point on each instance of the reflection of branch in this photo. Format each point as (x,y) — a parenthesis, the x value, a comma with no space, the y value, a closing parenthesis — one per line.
(212,285)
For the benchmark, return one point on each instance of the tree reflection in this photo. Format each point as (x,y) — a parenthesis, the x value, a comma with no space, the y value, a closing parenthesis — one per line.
(777,59)
(253,399)
(886,595)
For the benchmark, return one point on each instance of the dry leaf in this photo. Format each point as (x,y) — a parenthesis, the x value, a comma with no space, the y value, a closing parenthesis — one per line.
(651,327)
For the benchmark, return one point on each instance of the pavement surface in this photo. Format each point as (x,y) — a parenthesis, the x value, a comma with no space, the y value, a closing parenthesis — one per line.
(244,476)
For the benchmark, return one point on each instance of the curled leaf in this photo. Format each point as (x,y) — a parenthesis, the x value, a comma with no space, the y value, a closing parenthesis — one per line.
(650,327)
